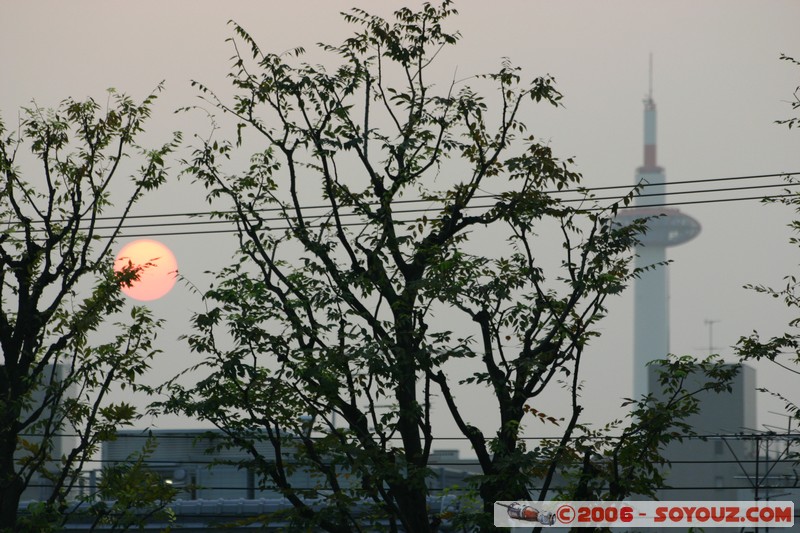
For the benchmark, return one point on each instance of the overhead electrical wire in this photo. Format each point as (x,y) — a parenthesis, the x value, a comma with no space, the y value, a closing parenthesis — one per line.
(581,190)
(424,210)
(412,221)
(214,434)
(490,196)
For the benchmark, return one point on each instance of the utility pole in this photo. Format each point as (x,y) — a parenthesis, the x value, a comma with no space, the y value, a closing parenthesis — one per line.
(710,324)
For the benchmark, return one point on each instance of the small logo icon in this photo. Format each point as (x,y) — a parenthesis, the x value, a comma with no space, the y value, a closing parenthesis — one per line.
(529,514)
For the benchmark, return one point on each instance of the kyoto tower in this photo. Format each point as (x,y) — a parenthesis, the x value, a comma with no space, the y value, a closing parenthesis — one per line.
(670,227)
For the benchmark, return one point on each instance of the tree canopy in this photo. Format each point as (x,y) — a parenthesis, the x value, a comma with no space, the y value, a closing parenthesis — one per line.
(392,266)
(58,287)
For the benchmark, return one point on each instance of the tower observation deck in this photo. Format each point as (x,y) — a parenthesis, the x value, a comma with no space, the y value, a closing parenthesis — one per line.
(665,227)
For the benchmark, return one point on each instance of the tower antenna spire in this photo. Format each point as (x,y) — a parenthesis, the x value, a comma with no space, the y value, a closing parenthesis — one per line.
(650,90)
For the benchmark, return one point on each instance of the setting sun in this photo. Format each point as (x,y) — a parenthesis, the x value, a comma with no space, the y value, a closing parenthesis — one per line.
(155,280)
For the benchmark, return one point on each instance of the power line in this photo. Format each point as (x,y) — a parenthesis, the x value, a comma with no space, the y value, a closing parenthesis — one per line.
(216,434)
(412,221)
(426,210)
(491,196)
(430,209)
(579,190)
(471,461)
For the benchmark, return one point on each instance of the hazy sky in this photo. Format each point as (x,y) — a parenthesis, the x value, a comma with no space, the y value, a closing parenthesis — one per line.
(718,84)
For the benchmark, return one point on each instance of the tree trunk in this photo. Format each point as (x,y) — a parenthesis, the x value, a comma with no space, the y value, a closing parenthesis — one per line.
(11,486)
(414,506)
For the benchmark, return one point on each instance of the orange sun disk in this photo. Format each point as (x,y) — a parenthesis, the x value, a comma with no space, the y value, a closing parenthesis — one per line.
(155,280)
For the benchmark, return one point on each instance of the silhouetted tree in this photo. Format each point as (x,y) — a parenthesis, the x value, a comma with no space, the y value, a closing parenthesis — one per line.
(57,287)
(394,259)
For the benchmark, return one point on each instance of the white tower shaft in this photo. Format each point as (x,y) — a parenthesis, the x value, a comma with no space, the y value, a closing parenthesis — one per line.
(651,315)
(651,304)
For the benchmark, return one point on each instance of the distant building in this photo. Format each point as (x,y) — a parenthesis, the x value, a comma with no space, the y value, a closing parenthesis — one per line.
(733,461)
(212,491)
(182,459)
(712,469)
(61,442)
